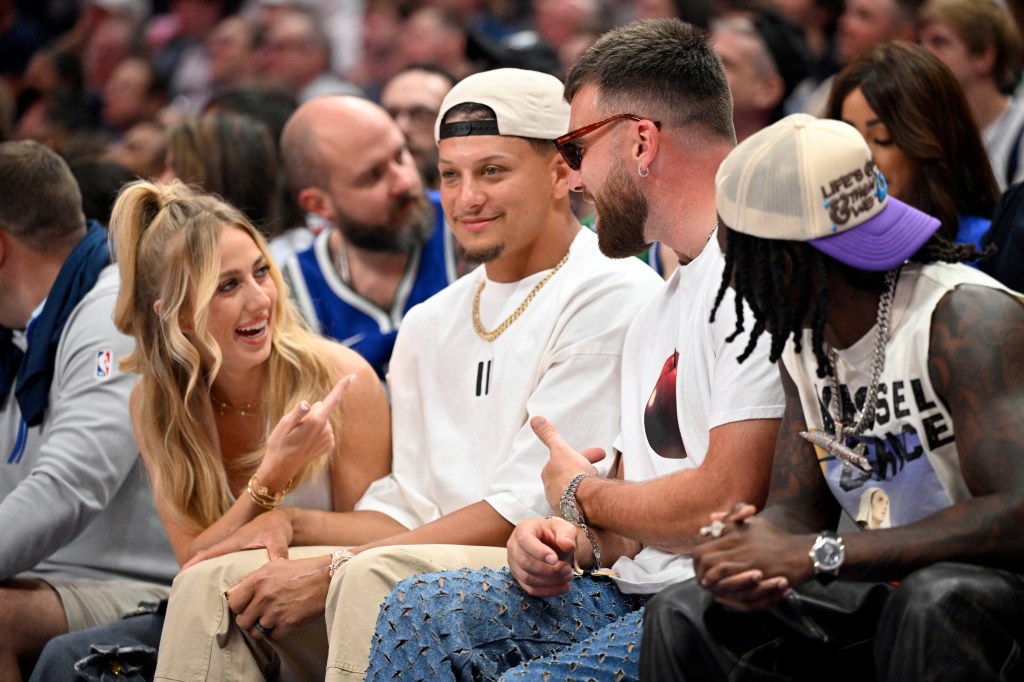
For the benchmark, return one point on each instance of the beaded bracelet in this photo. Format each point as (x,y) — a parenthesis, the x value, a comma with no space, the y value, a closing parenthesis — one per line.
(262,496)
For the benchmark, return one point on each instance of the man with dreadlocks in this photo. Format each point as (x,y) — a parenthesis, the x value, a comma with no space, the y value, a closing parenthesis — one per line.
(903,377)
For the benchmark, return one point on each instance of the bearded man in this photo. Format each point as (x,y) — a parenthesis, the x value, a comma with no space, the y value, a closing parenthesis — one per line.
(388,248)
(651,121)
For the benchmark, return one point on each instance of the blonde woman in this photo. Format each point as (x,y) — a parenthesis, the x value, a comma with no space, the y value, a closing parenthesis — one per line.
(239,408)
(223,412)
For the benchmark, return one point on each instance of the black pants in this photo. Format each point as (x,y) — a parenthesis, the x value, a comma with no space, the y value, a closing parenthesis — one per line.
(945,622)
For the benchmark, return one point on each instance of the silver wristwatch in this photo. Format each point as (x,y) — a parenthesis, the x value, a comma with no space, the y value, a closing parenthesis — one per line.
(572,513)
(828,554)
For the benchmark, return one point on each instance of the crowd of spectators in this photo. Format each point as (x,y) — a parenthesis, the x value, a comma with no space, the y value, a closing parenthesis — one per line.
(108,79)
(239,99)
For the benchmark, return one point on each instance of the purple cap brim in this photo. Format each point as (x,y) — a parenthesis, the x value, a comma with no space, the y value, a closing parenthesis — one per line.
(883,242)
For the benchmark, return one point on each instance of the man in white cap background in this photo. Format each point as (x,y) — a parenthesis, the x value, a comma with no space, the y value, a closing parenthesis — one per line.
(652,121)
(902,373)
(538,329)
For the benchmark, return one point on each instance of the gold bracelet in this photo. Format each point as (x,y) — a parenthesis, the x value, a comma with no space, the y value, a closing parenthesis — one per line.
(262,496)
(338,559)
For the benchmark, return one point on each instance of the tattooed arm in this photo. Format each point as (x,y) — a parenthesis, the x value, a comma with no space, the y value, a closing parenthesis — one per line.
(976,363)
(799,500)
(977,366)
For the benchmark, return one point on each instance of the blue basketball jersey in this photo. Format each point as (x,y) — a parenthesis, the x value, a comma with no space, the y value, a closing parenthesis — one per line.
(331,307)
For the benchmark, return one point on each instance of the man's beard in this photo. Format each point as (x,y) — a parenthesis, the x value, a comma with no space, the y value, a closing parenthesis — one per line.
(399,234)
(486,254)
(621,215)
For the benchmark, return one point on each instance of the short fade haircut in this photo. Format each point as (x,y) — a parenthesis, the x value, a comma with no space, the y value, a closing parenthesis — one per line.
(664,69)
(40,203)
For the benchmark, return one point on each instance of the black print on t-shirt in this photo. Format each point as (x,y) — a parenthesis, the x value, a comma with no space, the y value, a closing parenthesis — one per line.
(483,378)
(902,405)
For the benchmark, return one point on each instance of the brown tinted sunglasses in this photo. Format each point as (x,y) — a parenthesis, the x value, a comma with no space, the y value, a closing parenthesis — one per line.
(573,153)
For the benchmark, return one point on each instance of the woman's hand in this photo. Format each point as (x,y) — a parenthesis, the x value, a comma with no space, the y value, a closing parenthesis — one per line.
(302,435)
(272,530)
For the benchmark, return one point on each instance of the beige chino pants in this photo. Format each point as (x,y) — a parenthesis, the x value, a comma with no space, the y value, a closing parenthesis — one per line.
(200,640)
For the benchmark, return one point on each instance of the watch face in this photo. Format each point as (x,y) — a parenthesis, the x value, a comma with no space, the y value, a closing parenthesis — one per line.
(829,554)
(570,513)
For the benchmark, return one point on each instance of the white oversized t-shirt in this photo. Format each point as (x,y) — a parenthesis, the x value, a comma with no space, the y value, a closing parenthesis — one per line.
(680,379)
(461,405)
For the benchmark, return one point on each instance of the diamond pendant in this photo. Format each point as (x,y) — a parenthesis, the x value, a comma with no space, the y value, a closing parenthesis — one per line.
(852,456)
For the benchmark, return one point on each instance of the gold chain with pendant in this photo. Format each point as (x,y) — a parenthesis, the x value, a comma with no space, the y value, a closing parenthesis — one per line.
(478,325)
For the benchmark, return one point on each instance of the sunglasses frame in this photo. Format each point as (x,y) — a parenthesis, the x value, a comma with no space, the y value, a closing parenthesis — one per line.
(564,143)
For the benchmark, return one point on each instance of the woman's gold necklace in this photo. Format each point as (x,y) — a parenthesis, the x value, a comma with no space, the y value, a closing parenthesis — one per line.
(224,406)
(478,325)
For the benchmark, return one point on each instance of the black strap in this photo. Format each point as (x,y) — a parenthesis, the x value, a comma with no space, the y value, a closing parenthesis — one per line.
(466,128)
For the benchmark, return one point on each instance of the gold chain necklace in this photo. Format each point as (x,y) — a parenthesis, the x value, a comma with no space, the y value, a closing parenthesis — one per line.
(224,406)
(478,326)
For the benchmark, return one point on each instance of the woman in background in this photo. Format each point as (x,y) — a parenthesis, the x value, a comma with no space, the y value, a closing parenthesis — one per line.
(913,115)
(234,157)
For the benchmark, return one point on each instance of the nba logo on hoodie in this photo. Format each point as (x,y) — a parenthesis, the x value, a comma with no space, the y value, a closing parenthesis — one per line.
(104,364)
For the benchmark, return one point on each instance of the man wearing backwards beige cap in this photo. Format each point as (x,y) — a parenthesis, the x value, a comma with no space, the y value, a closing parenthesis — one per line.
(538,329)
(653,121)
(902,374)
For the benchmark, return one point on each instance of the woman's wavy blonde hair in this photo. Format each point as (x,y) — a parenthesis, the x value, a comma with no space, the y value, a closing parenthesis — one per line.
(166,242)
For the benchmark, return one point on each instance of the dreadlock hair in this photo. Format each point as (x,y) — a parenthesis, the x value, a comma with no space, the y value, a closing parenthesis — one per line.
(755,267)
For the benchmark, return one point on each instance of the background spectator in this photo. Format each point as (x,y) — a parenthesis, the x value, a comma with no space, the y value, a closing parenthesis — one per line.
(765,57)
(142,150)
(218,153)
(914,117)
(231,50)
(136,92)
(981,45)
(296,54)
(412,97)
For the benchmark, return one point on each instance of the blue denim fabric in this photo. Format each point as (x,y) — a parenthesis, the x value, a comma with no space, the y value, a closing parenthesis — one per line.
(122,651)
(612,654)
(477,625)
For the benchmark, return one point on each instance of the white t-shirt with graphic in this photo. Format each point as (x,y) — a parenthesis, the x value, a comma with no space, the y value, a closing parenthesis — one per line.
(911,445)
(680,379)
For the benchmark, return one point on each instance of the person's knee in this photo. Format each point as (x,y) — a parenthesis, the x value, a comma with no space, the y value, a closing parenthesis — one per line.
(961,620)
(390,565)
(669,612)
(448,591)
(934,604)
(380,564)
(939,589)
(31,612)
(94,653)
(220,572)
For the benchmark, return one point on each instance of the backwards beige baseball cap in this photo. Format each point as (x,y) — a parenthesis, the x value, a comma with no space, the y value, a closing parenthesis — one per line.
(525,104)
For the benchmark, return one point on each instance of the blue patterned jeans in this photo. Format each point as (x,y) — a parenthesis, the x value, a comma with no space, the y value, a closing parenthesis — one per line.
(480,625)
